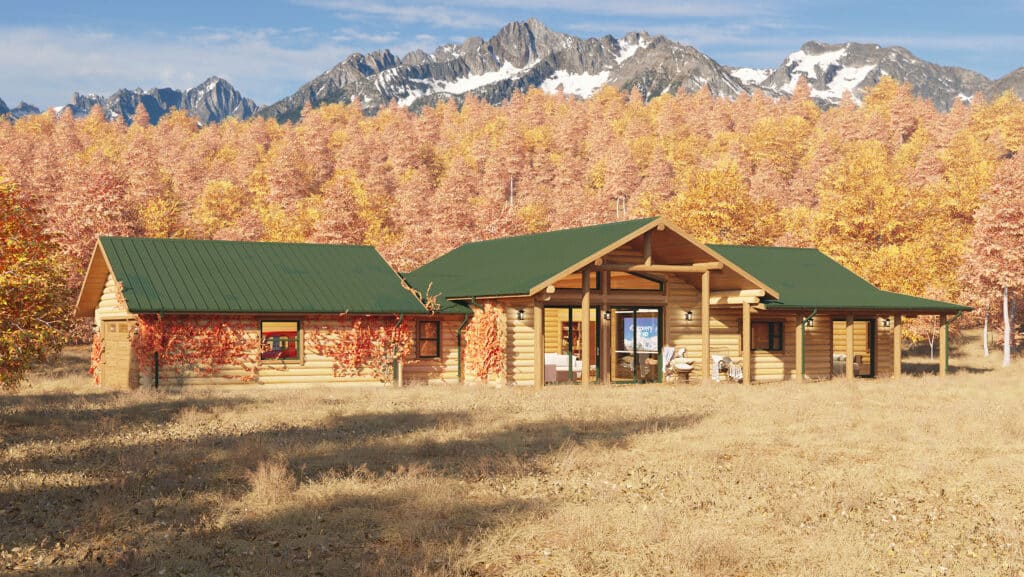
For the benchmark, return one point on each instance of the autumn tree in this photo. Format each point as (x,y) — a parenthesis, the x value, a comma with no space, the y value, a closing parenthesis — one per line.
(34,297)
(997,245)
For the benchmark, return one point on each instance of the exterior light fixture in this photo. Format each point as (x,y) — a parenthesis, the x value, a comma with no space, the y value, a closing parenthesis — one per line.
(886,322)
(809,322)
(607,315)
(520,314)
(689,315)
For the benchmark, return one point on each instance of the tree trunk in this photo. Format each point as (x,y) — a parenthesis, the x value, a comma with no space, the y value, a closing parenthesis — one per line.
(1007,332)
(984,333)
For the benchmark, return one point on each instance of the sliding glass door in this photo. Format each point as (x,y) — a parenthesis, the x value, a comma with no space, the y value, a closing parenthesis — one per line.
(636,344)
(563,344)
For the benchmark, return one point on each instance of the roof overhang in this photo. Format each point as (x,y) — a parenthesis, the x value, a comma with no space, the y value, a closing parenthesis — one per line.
(95,279)
(659,224)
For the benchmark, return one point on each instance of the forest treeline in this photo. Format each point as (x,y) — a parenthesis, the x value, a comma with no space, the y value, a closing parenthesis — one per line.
(913,199)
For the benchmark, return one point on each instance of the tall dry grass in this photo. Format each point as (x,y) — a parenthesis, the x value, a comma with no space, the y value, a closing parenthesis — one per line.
(919,477)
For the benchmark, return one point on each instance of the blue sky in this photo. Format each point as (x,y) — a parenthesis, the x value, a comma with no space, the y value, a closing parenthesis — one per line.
(268,49)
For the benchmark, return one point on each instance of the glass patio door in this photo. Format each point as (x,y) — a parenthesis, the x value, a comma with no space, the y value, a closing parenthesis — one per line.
(563,349)
(636,344)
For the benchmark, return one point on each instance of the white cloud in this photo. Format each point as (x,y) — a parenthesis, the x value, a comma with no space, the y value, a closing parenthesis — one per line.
(437,15)
(44,65)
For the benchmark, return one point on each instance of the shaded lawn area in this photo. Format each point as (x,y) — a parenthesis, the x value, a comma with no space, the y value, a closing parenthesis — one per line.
(919,477)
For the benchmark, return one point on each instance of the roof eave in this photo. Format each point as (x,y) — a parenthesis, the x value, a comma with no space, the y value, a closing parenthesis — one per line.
(87,290)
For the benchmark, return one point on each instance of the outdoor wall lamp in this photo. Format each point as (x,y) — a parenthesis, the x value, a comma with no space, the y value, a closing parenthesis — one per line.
(607,315)
(886,322)
(520,314)
(689,315)
(809,322)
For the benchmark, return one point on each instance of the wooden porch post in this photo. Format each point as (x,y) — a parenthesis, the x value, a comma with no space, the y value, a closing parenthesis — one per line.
(585,328)
(943,345)
(799,348)
(897,346)
(538,345)
(605,359)
(705,326)
(748,364)
(849,346)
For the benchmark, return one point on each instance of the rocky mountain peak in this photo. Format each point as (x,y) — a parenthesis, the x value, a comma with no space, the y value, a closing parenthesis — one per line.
(520,43)
(1014,82)
(3,107)
(834,69)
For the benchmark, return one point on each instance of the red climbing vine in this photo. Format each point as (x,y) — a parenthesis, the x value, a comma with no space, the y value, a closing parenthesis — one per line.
(198,346)
(485,343)
(371,343)
(96,358)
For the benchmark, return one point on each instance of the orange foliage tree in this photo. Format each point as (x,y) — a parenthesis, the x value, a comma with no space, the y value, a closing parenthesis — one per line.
(34,312)
(996,260)
(878,185)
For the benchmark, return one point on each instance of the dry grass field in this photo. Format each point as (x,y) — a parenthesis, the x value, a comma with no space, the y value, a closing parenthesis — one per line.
(838,478)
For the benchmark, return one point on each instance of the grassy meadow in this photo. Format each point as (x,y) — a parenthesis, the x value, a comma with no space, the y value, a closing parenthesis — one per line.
(919,477)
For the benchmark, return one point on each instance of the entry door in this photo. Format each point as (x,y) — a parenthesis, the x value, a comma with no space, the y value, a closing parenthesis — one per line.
(636,344)
(116,371)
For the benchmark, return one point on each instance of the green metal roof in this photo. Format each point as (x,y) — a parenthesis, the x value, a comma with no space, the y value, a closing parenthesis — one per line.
(211,276)
(807,278)
(515,265)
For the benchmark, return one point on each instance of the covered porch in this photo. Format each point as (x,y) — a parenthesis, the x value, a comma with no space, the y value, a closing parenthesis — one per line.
(619,317)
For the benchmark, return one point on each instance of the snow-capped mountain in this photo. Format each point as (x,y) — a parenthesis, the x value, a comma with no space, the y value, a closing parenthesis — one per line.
(522,55)
(832,69)
(212,101)
(526,55)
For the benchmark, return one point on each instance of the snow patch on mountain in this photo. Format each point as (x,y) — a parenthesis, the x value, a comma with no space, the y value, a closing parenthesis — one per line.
(475,81)
(751,75)
(811,64)
(847,79)
(582,85)
(629,49)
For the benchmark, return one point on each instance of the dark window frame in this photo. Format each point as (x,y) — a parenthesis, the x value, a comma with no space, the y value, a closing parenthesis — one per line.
(298,340)
(776,341)
(436,339)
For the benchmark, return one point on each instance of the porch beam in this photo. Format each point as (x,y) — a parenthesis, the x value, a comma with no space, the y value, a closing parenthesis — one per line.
(647,248)
(677,268)
(943,345)
(705,326)
(748,364)
(849,346)
(718,301)
(538,345)
(897,346)
(585,327)
(738,293)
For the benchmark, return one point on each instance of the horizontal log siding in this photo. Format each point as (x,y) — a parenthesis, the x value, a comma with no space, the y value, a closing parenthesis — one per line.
(818,349)
(109,307)
(519,335)
(316,369)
